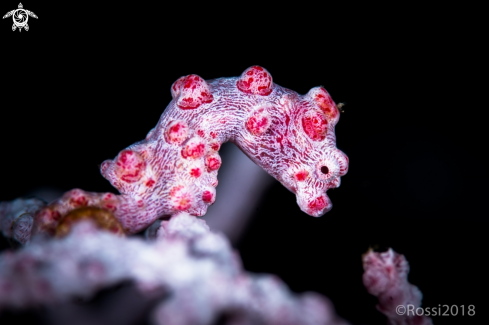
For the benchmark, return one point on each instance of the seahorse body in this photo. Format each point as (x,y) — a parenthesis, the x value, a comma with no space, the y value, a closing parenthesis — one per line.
(174,169)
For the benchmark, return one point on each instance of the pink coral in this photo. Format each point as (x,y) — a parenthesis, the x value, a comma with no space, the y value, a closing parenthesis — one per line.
(385,277)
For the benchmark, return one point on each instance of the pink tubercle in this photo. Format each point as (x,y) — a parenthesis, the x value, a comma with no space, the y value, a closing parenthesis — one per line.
(177,85)
(195,148)
(315,125)
(317,204)
(341,159)
(326,103)
(79,201)
(258,123)
(256,81)
(344,162)
(130,166)
(109,206)
(49,214)
(215,146)
(181,198)
(301,175)
(191,91)
(76,198)
(176,132)
(213,162)
(195,172)
(208,197)
(47,218)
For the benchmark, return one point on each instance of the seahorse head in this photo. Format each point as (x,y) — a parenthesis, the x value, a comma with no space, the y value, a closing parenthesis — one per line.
(309,161)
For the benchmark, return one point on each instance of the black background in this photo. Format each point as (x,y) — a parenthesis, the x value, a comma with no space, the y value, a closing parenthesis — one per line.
(87,80)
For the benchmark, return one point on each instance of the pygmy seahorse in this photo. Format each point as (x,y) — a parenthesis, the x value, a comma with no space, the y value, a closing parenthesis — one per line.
(174,169)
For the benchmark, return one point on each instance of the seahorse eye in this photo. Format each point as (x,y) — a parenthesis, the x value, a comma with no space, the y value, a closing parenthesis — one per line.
(324,170)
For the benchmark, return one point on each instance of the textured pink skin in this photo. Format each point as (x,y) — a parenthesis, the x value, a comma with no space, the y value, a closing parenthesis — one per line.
(385,276)
(174,169)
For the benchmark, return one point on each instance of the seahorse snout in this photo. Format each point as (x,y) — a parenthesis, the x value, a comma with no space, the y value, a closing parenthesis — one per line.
(315,205)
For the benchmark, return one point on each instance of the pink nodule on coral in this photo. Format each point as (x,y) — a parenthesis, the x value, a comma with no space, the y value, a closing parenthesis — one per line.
(191,91)
(256,81)
(77,198)
(385,276)
(108,196)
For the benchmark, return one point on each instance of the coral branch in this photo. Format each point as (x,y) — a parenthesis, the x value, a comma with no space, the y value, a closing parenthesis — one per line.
(198,270)
(241,182)
(385,276)
(17,217)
